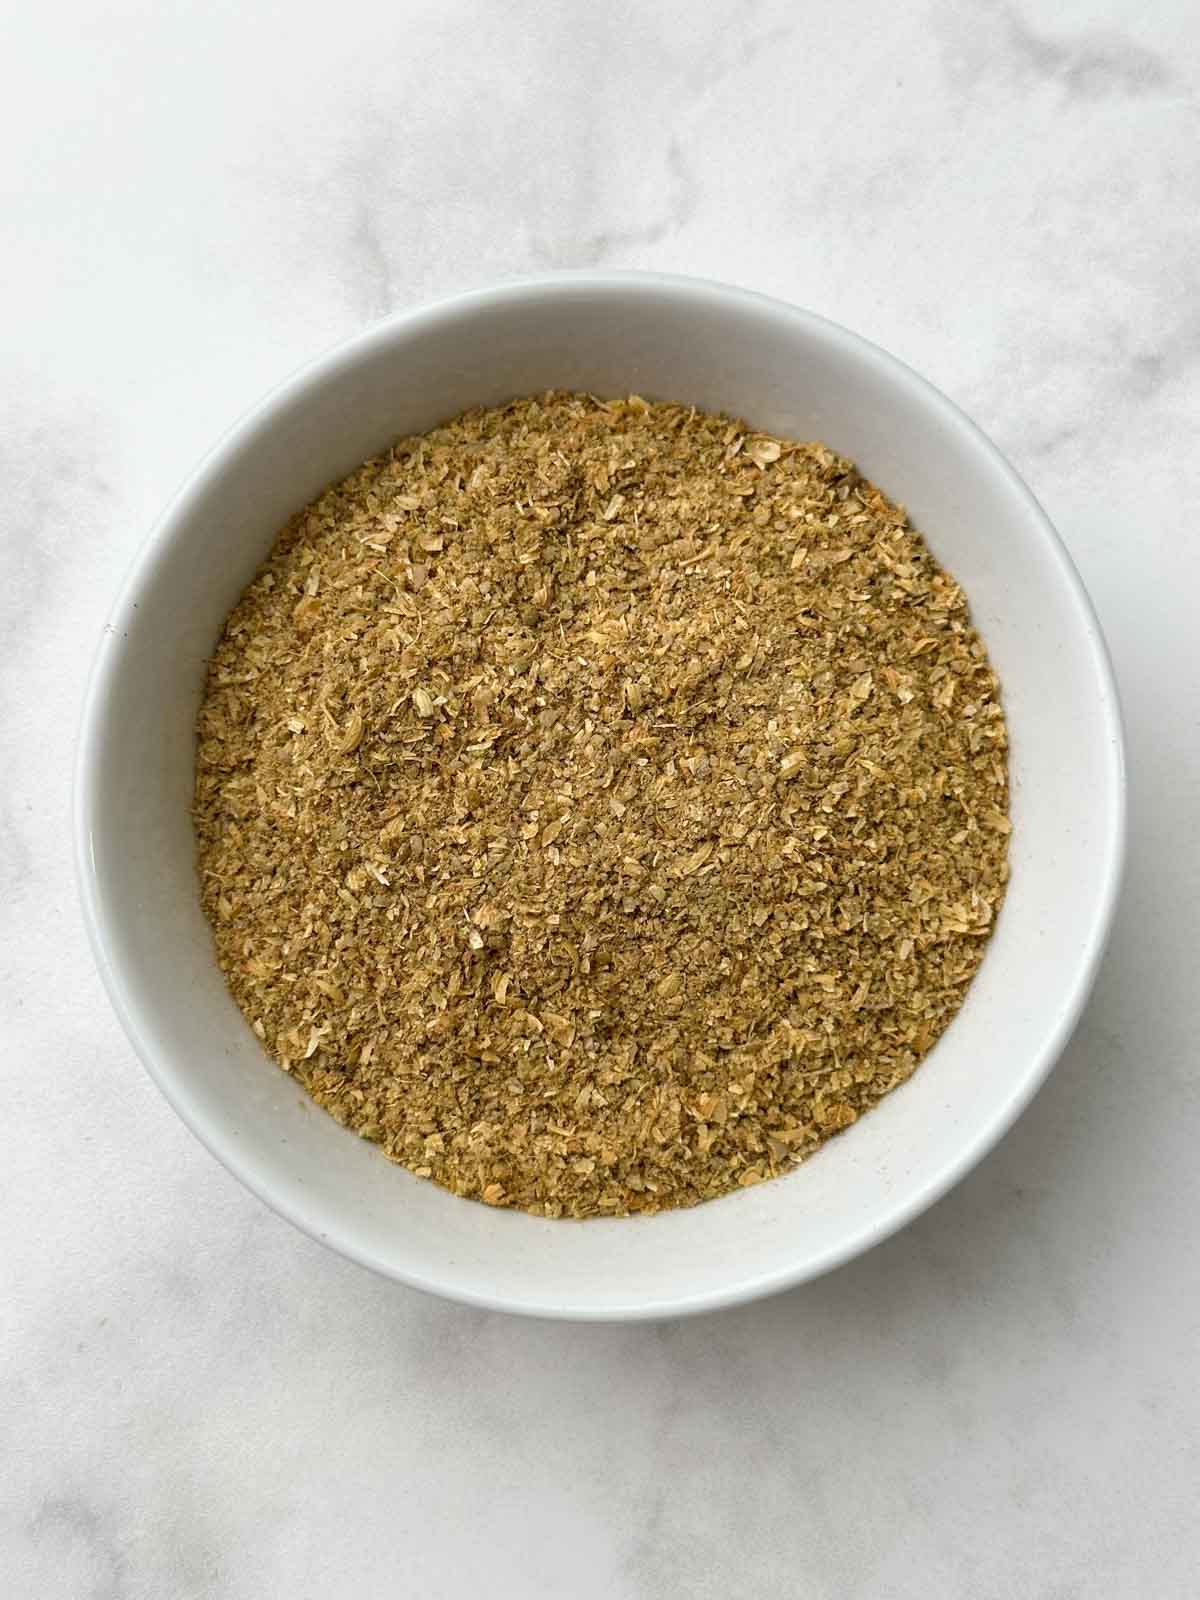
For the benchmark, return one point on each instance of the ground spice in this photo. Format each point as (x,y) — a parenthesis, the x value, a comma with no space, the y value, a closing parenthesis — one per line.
(600,804)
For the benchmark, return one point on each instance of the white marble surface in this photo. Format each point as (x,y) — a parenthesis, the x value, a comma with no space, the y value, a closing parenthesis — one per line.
(195,1400)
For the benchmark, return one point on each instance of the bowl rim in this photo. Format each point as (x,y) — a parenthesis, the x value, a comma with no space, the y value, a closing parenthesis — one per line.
(171,1079)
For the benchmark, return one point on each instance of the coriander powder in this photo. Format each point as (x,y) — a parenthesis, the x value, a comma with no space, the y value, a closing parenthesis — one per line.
(600,804)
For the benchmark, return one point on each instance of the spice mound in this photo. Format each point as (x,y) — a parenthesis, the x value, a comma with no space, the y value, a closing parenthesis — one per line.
(600,804)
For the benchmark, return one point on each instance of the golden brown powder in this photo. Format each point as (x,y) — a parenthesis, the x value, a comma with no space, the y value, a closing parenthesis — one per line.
(600,804)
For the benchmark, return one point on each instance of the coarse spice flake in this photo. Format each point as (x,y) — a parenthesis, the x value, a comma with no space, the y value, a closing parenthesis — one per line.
(600,804)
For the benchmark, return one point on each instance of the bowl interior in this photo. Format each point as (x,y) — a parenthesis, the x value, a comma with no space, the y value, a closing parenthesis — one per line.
(782,370)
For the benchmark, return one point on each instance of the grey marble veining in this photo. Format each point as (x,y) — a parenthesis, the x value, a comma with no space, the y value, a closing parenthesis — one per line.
(197,1401)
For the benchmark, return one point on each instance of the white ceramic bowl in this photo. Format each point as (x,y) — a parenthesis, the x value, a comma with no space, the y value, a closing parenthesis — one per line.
(786,371)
